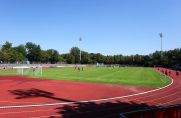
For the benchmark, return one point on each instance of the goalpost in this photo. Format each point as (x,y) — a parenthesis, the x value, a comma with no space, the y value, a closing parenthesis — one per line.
(29,70)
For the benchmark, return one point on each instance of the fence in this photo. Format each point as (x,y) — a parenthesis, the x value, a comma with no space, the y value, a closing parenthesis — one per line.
(10,66)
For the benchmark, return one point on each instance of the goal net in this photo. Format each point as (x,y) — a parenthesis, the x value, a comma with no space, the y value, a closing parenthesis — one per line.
(29,70)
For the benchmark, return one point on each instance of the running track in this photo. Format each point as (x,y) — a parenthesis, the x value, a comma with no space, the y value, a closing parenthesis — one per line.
(32,98)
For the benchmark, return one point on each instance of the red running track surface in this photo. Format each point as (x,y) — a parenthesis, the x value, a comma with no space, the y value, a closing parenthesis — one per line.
(29,98)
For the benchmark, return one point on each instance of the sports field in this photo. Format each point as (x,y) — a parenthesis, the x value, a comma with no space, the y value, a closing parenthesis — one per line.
(136,76)
(37,97)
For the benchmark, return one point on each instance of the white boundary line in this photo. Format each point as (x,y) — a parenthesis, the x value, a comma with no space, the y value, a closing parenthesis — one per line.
(85,101)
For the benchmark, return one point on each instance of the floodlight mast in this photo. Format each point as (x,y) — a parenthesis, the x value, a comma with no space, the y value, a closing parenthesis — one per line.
(161,36)
(80,39)
(161,53)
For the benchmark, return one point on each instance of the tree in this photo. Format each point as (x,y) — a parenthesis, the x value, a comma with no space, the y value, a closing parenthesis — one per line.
(61,59)
(54,56)
(99,58)
(75,51)
(21,51)
(16,56)
(7,52)
(33,52)
(85,58)
(70,59)
(45,56)
(6,46)
(2,59)
(93,58)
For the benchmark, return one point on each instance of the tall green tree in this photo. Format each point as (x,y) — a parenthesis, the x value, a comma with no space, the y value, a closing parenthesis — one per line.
(33,52)
(85,58)
(54,56)
(45,56)
(6,46)
(7,52)
(68,58)
(75,52)
(21,51)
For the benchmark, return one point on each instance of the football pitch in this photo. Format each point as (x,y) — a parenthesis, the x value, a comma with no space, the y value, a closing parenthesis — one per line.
(134,76)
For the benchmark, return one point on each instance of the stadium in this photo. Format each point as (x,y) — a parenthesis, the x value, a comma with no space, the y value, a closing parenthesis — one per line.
(62,59)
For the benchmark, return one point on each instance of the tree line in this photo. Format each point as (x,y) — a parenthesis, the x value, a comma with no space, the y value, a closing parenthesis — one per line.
(28,52)
(33,53)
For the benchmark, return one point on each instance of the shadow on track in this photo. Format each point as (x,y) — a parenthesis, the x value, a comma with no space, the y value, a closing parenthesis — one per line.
(114,109)
(34,93)
(99,110)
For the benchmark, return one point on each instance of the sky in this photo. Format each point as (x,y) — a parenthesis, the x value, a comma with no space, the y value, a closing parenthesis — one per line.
(106,26)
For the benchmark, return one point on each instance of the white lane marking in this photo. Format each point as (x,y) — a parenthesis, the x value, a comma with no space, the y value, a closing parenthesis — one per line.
(170,101)
(96,100)
(166,96)
(177,86)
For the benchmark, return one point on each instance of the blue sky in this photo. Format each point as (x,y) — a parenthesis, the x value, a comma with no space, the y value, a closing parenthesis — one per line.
(106,26)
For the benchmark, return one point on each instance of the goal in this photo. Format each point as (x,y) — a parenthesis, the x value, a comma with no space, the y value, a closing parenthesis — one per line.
(29,70)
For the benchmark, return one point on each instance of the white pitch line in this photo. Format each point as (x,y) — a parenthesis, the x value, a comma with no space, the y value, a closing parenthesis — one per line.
(86,101)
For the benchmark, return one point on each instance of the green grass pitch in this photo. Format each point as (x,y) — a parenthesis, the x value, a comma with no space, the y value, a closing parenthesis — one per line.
(135,76)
